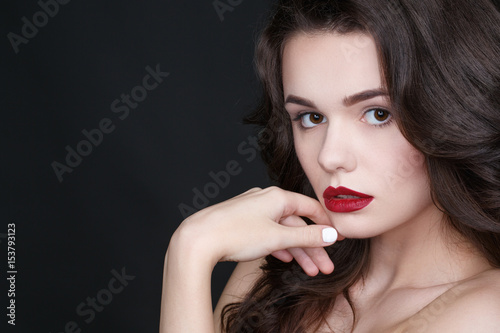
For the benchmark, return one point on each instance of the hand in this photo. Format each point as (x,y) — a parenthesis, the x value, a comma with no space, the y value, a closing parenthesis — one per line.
(261,222)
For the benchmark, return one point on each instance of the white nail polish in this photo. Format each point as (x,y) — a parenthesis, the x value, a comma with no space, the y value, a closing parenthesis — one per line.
(329,235)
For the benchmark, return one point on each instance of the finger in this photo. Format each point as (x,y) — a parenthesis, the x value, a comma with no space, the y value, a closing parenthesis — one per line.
(283,255)
(318,214)
(292,203)
(295,221)
(304,261)
(318,257)
(301,205)
(308,236)
(321,259)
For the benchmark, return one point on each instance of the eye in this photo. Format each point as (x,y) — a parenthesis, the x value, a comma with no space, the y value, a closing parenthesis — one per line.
(377,117)
(309,119)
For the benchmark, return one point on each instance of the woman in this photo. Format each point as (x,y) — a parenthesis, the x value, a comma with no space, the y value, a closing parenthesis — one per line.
(382,120)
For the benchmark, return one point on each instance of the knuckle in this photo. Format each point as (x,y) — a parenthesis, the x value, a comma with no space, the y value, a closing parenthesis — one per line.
(274,188)
(276,192)
(254,189)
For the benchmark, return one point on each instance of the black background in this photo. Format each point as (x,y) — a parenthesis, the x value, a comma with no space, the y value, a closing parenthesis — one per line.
(118,208)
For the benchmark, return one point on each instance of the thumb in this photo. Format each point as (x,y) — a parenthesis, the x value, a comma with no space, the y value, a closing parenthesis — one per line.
(311,236)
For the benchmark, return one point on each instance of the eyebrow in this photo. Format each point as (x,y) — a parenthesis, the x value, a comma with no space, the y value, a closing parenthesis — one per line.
(363,96)
(347,101)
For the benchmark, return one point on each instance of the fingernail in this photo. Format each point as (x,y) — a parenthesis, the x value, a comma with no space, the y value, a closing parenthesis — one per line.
(329,235)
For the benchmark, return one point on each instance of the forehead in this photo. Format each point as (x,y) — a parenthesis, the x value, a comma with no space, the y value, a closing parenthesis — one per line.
(326,67)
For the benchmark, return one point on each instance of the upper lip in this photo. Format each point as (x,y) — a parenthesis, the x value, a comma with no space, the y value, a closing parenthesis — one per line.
(332,192)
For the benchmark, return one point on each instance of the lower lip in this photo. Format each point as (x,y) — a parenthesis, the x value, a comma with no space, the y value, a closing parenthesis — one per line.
(347,205)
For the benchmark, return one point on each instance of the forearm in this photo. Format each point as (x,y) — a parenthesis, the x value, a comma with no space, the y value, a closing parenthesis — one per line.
(186,296)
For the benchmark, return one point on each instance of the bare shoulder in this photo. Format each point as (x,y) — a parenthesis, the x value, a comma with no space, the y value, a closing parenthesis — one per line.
(239,284)
(471,306)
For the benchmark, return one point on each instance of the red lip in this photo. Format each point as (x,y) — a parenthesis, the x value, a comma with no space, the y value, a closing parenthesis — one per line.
(345,205)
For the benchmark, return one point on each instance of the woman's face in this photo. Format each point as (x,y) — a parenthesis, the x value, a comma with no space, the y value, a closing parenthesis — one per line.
(346,140)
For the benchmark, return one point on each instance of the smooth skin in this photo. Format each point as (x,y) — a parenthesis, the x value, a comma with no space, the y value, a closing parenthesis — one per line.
(422,276)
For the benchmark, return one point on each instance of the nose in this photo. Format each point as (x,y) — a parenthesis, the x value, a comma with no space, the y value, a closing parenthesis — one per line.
(337,151)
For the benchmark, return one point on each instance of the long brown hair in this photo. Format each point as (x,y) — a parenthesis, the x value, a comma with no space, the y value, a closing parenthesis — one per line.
(440,60)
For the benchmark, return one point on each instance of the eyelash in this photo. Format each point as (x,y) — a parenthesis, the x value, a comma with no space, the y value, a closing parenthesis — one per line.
(299,116)
(386,123)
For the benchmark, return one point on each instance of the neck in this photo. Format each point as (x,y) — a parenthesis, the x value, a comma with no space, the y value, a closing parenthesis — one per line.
(422,254)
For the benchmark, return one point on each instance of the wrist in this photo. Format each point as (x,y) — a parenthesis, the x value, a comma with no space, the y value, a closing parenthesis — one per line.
(191,245)
(186,287)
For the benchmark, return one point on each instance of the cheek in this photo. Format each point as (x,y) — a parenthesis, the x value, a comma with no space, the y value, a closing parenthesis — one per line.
(307,154)
(406,167)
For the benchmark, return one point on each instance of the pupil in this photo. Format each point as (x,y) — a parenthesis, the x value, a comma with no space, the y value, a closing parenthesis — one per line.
(315,118)
(380,115)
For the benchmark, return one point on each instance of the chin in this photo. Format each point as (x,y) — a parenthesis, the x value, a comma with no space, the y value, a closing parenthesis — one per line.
(355,228)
